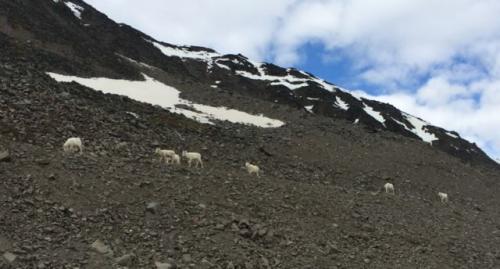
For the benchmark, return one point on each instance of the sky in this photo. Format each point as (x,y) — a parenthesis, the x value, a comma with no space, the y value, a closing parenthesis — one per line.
(438,60)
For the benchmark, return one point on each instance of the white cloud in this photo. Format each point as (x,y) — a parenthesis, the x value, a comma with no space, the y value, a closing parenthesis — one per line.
(473,111)
(226,25)
(439,60)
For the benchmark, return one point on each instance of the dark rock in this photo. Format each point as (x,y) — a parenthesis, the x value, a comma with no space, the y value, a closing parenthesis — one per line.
(152,207)
(5,156)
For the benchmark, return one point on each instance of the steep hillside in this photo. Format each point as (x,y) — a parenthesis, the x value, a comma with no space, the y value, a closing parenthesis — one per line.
(78,40)
(319,201)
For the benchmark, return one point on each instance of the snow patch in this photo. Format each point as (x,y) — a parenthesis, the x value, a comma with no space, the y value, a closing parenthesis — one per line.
(223,66)
(340,103)
(289,85)
(309,108)
(214,86)
(156,93)
(288,81)
(374,114)
(419,128)
(132,114)
(205,56)
(76,9)
(452,135)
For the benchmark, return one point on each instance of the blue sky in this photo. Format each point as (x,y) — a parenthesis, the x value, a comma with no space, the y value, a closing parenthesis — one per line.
(331,66)
(439,60)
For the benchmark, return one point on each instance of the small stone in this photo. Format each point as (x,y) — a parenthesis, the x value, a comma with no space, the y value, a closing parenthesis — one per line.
(245,232)
(5,156)
(262,232)
(161,265)
(9,257)
(152,207)
(265,262)
(52,177)
(43,162)
(4,244)
(230,265)
(125,260)
(187,258)
(100,247)
(249,265)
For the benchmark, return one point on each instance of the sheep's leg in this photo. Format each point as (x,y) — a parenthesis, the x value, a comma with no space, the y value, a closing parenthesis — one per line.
(189,162)
(258,174)
(201,163)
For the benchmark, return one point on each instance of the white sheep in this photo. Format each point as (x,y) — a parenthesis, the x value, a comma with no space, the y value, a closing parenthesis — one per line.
(73,144)
(165,154)
(443,196)
(389,188)
(252,169)
(192,156)
(175,159)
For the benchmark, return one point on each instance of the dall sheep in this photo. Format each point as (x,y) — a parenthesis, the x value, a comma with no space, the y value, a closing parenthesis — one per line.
(389,188)
(73,144)
(175,159)
(252,169)
(165,154)
(193,156)
(443,196)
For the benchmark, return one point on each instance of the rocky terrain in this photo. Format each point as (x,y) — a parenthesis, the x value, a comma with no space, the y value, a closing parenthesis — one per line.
(318,204)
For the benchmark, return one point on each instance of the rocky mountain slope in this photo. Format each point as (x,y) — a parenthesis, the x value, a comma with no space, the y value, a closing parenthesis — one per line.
(318,204)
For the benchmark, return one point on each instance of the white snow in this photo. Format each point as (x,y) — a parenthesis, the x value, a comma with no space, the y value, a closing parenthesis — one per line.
(374,114)
(205,56)
(212,58)
(76,9)
(217,82)
(214,86)
(309,108)
(284,80)
(222,66)
(340,103)
(452,135)
(132,114)
(289,85)
(156,93)
(312,98)
(356,121)
(419,128)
